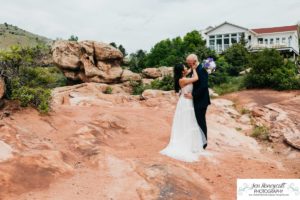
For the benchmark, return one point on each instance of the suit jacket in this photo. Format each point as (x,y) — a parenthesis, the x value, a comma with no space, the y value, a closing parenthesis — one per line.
(200,92)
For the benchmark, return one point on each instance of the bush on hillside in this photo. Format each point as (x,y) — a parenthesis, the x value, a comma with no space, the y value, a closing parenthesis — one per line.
(220,76)
(24,81)
(269,70)
(237,57)
(137,61)
(73,38)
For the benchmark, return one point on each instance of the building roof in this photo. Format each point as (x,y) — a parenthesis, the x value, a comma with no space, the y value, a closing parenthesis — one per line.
(275,29)
(224,24)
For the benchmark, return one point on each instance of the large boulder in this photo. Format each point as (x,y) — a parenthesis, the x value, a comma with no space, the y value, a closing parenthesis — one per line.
(148,94)
(166,71)
(151,73)
(147,81)
(128,75)
(157,72)
(88,61)
(2,87)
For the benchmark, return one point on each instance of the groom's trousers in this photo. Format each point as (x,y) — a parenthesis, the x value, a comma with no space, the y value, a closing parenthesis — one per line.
(200,116)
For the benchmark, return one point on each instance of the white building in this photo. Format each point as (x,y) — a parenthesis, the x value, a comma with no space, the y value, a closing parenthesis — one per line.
(283,38)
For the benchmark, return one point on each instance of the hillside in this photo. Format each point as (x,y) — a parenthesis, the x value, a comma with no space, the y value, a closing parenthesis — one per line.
(13,35)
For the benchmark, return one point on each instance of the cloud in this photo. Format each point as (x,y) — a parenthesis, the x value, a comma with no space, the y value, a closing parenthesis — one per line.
(139,24)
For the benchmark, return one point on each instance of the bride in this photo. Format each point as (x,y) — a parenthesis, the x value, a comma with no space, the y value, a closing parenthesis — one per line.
(187,138)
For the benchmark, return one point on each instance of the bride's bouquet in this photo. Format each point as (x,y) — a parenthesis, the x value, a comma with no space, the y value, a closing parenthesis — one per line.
(210,65)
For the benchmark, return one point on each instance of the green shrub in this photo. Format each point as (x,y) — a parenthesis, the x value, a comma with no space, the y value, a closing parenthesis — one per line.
(137,61)
(238,129)
(73,38)
(166,84)
(244,111)
(37,97)
(238,57)
(33,86)
(268,70)
(46,77)
(233,84)
(138,87)
(24,81)
(260,132)
(220,76)
(108,90)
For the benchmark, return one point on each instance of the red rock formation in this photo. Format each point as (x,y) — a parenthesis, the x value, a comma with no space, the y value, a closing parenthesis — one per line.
(90,61)
(2,87)
(106,146)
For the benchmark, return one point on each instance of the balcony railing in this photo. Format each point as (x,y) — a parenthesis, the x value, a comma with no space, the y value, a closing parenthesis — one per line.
(274,46)
(226,46)
(219,48)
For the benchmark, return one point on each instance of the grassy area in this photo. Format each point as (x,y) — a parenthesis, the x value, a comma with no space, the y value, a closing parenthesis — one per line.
(234,84)
(12,35)
(108,90)
(260,132)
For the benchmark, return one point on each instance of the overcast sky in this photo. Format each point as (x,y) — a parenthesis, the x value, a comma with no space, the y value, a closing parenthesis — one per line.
(139,24)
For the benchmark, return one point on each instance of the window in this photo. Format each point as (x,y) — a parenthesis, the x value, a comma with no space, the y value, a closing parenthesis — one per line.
(290,40)
(212,44)
(266,41)
(233,38)
(260,40)
(277,40)
(241,35)
(226,43)
(212,37)
(271,41)
(283,40)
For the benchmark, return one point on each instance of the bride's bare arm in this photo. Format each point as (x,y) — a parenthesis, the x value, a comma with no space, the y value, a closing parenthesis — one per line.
(189,70)
(185,81)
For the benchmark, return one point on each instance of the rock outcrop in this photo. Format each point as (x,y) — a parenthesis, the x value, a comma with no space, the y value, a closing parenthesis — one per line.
(153,73)
(128,75)
(2,87)
(277,112)
(90,61)
(106,146)
(148,94)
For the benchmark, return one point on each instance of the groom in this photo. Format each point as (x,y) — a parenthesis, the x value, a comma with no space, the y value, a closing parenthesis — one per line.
(200,94)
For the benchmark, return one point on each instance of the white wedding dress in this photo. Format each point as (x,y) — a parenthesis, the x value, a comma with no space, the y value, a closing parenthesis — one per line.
(187,138)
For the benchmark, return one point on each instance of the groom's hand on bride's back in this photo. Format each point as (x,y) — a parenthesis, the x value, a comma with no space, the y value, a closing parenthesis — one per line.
(188,95)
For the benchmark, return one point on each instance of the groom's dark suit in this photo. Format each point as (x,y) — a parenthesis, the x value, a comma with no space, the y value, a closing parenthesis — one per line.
(201,98)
